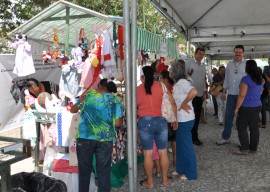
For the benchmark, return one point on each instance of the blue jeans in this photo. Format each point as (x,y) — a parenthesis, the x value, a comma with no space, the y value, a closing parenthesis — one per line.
(229,115)
(86,148)
(185,155)
(153,129)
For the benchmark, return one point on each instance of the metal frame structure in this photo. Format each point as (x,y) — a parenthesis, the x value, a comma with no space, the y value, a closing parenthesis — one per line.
(218,25)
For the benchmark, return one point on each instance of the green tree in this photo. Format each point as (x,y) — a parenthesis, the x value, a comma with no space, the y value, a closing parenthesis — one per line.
(15,12)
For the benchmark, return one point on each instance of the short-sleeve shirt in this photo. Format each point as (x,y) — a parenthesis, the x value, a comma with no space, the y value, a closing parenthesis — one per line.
(218,78)
(253,96)
(198,75)
(233,75)
(98,115)
(180,92)
(149,105)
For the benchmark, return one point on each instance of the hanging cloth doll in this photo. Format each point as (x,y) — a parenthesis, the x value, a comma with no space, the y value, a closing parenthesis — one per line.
(109,65)
(24,64)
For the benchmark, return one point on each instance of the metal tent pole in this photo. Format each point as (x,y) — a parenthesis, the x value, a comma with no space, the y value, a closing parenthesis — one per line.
(67,29)
(188,44)
(128,86)
(134,86)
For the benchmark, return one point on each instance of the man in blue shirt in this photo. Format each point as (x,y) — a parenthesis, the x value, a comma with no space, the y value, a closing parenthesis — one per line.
(234,72)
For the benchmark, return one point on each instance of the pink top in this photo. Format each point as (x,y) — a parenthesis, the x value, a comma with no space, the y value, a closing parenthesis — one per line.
(149,105)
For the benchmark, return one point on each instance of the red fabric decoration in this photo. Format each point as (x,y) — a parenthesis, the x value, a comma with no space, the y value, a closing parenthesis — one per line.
(107,57)
(121,41)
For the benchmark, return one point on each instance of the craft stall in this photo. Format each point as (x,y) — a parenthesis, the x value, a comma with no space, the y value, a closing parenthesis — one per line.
(86,46)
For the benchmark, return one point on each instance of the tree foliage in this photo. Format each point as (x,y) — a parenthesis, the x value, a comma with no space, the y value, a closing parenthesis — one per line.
(15,12)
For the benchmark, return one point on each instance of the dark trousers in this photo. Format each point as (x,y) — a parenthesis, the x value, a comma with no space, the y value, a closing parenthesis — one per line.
(248,117)
(215,104)
(86,148)
(197,105)
(263,111)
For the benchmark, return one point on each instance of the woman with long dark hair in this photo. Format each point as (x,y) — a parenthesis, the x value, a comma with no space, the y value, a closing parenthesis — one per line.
(247,109)
(152,126)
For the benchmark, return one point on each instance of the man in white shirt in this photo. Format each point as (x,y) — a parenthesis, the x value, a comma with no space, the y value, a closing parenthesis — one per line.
(196,70)
(235,70)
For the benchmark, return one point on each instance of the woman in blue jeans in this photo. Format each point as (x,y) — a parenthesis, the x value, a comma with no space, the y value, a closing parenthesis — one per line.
(183,93)
(101,111)
(152,126)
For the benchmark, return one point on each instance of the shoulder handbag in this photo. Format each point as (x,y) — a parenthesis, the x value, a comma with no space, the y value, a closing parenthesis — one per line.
(166,106)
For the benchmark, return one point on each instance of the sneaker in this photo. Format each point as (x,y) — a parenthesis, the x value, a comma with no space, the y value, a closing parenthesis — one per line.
(223,142)
(238,152)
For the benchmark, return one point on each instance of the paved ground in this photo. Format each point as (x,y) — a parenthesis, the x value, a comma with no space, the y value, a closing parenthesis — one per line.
(218,169)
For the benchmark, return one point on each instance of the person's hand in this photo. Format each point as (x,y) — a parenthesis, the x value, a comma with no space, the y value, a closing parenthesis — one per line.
(186,107)
(223,96)
(174,125)
(236,112)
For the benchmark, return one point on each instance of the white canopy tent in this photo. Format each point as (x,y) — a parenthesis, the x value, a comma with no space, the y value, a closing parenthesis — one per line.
(218,25)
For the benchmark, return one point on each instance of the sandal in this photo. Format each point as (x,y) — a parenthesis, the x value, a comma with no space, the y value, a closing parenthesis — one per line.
(183,177)
(169,180)
(145,184)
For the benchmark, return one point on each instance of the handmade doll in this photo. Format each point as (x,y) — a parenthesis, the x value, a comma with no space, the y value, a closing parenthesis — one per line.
(24,64)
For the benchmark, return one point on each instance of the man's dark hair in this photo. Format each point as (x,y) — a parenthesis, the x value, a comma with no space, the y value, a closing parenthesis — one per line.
(239,47)
(199,49)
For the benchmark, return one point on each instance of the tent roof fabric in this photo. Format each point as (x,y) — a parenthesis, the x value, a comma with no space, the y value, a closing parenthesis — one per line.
(218,25)
(40,27)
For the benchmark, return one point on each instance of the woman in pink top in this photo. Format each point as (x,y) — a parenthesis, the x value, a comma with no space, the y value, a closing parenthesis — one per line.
(152,126)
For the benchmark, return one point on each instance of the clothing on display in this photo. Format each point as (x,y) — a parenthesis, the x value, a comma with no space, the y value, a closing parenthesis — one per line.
(24,64)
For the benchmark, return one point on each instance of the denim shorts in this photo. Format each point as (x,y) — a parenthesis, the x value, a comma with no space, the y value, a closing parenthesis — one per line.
(153,129)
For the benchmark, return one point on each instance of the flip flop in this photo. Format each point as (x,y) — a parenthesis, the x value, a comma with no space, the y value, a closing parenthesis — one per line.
(169,180)
(145,184)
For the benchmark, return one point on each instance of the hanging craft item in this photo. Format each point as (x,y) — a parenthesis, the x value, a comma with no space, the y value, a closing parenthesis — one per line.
(83,39)
(83,43)
(163,54)
(55,54)
(121,47)
(24,64)
(46,57)
(109,66)
(63,58)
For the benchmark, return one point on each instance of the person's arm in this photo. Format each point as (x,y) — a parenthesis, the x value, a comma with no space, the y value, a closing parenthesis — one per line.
(267,78)
(191,94)
(174,124)
(241,97)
